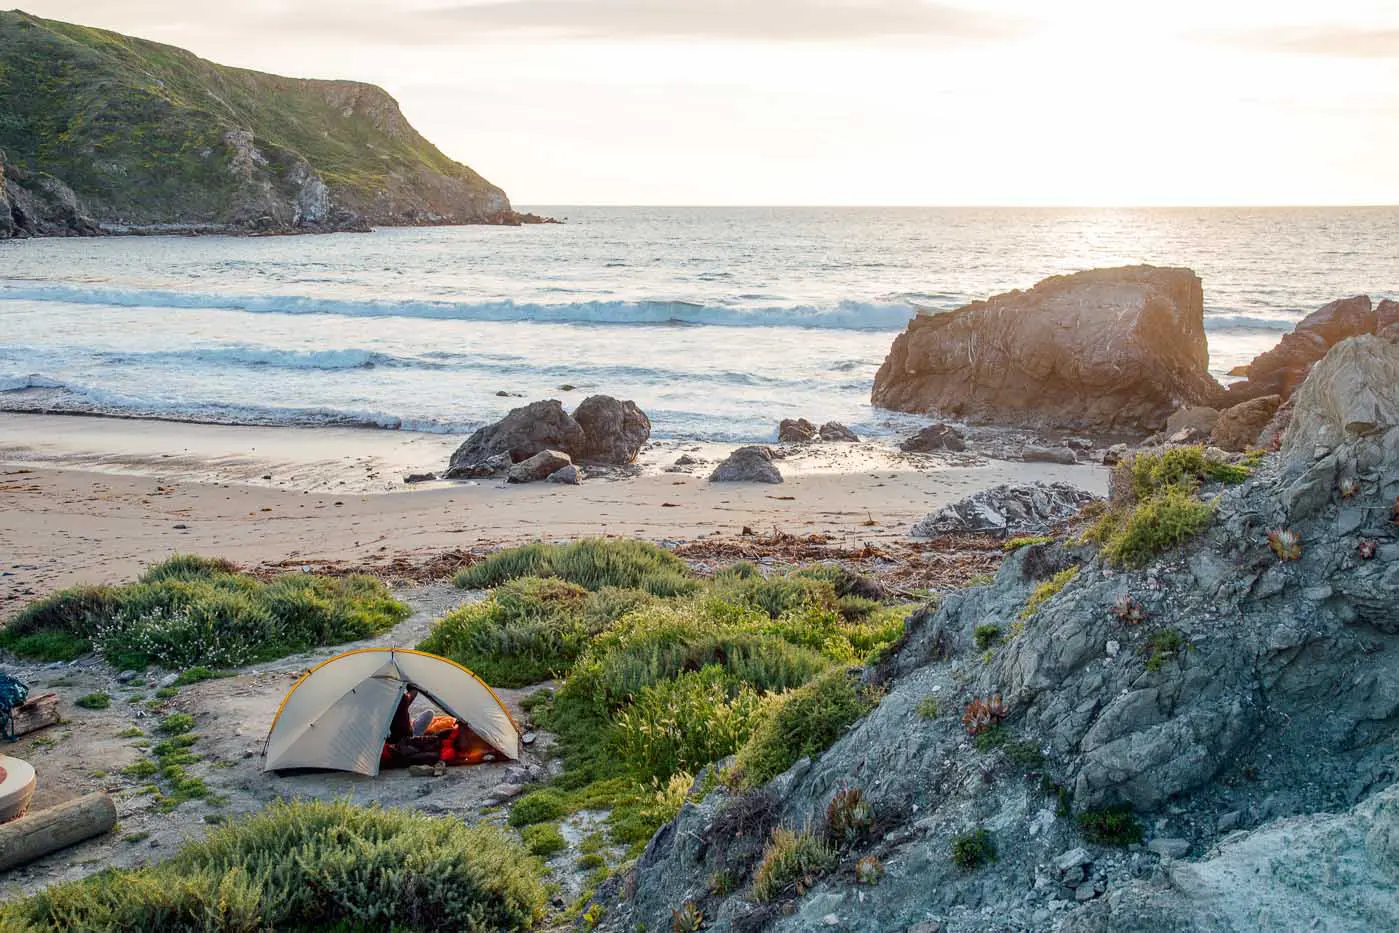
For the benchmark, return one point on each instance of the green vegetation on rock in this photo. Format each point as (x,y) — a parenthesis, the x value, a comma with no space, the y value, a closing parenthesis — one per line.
(190,611)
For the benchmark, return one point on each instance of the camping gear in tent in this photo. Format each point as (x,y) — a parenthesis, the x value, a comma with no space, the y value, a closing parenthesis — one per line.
(337,716)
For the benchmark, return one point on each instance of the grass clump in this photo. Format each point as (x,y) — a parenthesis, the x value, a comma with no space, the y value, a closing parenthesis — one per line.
(928,708)
(791,863)
(1165,645)
(987,636)
(542,806)
(543,839)
(193,611)
(1156,505)
(1047,591)
(1111,826)
(530,629)
(305,865)
(93,701)
(197,675)
(804,723)
(1015,544)
(593,564)
(176,724)
(973,850)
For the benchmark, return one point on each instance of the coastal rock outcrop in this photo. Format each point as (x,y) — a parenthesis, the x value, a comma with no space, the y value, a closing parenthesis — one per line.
(835,432)
(157,140)
(935,437)
(748,465)
(601,430)
(1110,350)
(1006,510)
(541,466)
(520,435)
(1237,429)
(1233,707)
(613,431)
(1281,370)
(795,431)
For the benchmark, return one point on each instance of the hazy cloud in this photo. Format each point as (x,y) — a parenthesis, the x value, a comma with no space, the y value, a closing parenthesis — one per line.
(1335,41)
(756,20)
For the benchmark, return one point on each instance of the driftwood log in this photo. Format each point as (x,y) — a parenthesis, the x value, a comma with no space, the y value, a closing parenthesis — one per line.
(35,714)
(45,831)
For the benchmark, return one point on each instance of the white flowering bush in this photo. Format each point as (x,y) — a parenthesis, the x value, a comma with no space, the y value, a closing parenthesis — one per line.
(191,611)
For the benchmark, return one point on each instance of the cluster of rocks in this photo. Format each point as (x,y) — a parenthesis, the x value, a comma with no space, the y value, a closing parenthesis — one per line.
(1282,370)
(1006,510)
(1245,720)
(935,437)
(801,431)
(543,441)
(38,204)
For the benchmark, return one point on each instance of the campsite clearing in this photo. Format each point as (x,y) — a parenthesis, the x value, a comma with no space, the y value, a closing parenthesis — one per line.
(172,783)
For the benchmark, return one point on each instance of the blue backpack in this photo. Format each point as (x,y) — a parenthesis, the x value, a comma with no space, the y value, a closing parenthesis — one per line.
(12,694)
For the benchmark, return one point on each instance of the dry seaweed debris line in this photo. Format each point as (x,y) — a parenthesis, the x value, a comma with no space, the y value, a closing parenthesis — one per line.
(398,568)
(781,546)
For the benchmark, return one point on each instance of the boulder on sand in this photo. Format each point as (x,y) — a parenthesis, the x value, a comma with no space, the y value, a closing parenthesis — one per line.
(935,437)
(541,466)
(601,430)
(1281,370)
(795,431)
(1006,510)
(521,434)
(1110,350)
(1238,428)
(748,465)
(835,432)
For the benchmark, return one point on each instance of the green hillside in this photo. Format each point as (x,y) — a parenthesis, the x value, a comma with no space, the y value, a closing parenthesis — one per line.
(148,134)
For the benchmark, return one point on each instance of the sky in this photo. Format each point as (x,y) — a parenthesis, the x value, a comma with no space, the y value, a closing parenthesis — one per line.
(862,102)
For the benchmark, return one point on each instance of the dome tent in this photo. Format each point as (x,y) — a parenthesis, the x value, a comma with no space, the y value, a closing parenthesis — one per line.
(337,715)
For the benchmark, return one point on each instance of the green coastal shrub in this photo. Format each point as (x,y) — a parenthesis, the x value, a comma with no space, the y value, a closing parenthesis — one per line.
(543,839)
(803,723)
(681,725)
(193,611)
(1047,591)
(308,865)
(973,850)
(529,630)
(541,806)
(1110,826)
(593,564)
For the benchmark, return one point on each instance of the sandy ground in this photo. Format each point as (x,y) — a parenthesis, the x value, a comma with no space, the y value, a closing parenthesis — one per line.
(93,500)
(88,751)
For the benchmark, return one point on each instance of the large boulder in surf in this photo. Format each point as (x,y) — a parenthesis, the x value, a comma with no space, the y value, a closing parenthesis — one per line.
(1281,370)
(1105,351)
(795,431)
(520,435)
(613,431)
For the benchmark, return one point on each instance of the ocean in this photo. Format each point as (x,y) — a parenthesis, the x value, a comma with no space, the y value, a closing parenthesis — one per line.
(718,321)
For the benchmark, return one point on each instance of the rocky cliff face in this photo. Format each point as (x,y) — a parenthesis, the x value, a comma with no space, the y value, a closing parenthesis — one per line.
(1110,350)
(129,136)
(1244,716)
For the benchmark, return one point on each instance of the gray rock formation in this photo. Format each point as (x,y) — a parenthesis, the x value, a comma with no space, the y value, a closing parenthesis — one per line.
(795,431)
(567,476)
(935,437)
(1111,350)
(613,431)
(1249,715)
(7,220)
(835,432)
(1238,428)
(542,465)
(1006,510)
(520,435)
(1062,455)
(747,465)
(37,204)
